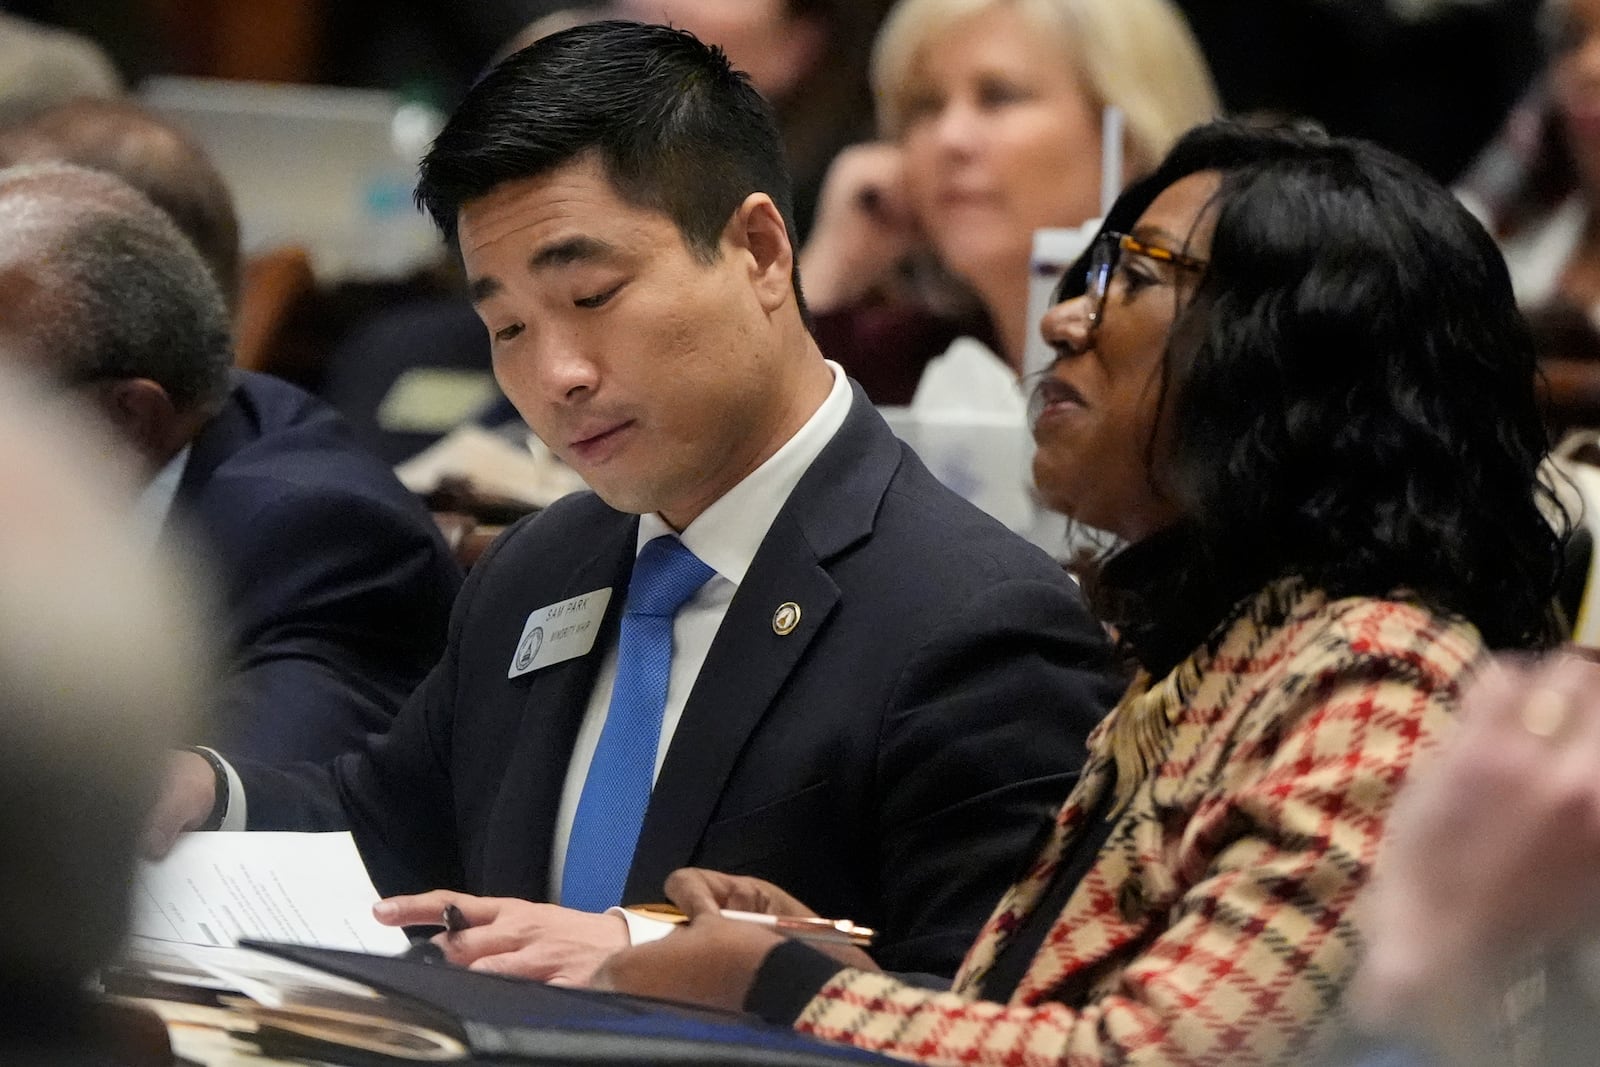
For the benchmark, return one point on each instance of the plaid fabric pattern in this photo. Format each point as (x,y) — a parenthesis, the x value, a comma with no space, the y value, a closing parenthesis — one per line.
(1215,926)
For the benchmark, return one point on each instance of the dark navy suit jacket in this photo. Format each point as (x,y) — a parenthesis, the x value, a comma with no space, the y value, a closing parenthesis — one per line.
(336,585)
(890,760)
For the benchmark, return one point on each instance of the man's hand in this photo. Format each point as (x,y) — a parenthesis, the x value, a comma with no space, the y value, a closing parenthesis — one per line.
(188,793)
(511,936)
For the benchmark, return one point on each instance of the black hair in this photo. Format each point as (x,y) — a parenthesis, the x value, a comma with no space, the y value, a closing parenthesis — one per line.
(1349,397)
(676,128)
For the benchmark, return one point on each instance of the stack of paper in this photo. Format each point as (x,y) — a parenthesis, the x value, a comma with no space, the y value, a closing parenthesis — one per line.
(214,890)
(306,889)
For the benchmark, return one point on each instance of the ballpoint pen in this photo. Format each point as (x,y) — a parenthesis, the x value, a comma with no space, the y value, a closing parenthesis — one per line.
(429,952)
(806,928)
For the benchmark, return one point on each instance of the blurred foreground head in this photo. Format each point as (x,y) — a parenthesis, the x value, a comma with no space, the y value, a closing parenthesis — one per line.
(102,667)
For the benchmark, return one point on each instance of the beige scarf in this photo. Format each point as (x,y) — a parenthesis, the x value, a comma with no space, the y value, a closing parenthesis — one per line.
(1140,727)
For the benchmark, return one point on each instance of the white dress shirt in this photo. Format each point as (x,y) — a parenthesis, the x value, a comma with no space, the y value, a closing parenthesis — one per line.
(725,537)
(154,503)
(151,510)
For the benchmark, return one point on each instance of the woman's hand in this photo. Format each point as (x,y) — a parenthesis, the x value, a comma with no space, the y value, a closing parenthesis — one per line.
(864,227)
(712,961)
(699,892)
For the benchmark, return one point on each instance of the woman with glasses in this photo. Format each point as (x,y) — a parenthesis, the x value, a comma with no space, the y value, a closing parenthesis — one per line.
(1292,378)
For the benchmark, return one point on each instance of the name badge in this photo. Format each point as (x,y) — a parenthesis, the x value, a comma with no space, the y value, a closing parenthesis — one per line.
(559,632)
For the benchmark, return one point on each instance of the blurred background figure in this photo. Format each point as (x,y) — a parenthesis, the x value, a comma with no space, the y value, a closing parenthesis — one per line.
(41,66)
(1489,884)
(337,583)
(104,665)
(150,154)
(1540,185)
(1430,80)
(808,57)
(1538,188)
(162,160)
(991,114)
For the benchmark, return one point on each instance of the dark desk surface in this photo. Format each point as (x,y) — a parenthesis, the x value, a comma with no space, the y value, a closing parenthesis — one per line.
(511,1021)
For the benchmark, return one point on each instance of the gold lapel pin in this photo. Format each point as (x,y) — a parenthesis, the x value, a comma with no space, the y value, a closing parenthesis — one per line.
(785,619)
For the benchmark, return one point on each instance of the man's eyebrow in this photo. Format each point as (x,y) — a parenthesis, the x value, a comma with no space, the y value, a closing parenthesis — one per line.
(570,250)
(560,253)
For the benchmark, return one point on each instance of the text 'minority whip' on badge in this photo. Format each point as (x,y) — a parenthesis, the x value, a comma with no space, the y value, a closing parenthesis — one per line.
(560,632)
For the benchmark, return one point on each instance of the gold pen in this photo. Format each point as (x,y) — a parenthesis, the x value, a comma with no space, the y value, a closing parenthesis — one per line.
(805,928)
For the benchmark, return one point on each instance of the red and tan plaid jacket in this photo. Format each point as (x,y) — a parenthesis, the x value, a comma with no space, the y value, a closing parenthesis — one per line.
(1215,926)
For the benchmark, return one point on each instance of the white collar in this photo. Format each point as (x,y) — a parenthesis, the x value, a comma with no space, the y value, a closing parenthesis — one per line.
(727,535)
(154,503)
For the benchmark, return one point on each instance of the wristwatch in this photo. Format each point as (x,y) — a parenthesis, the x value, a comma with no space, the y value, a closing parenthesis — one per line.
(219,772)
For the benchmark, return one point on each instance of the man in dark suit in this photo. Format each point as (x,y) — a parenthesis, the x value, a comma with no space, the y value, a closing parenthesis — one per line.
(336,584)
(861,687)
(335,579)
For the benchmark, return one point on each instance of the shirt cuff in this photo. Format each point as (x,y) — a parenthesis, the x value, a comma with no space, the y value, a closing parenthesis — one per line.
(641,929)
(789,978)
(235,818)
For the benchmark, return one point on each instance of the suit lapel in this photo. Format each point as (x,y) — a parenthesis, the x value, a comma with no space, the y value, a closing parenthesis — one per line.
(224,434)
(521,827)
(746,666)
(831,509)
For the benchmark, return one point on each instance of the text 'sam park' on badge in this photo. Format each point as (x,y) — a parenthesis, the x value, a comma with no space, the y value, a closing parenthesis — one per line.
(559,632)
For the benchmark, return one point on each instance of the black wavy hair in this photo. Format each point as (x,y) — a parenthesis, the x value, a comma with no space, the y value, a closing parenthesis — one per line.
(1349,396)
(675,126)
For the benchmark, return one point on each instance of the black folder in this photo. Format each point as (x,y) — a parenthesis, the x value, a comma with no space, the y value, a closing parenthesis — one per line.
(505,1020)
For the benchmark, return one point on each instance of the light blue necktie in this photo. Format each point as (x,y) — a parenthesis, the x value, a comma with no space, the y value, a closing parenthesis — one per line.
(611,810)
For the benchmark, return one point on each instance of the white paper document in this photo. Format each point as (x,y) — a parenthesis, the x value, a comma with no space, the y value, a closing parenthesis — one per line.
(265,979)
(308,889)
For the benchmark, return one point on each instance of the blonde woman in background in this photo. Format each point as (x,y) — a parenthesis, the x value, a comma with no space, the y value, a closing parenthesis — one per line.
(990,113)
(1545,218)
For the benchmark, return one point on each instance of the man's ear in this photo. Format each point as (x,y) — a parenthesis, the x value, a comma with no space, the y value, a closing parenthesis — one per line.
(757,230)
(144,414)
